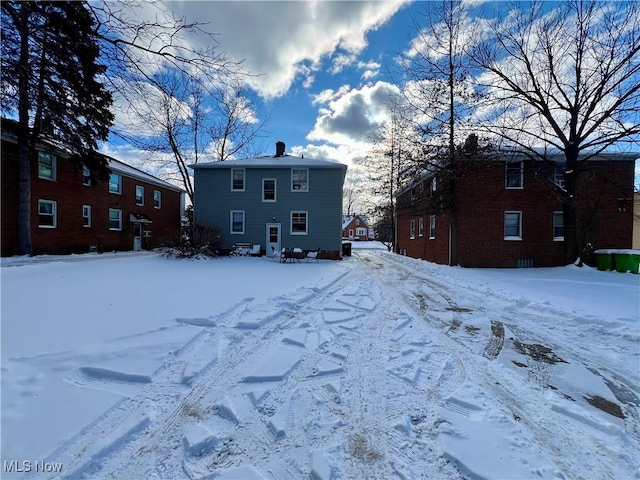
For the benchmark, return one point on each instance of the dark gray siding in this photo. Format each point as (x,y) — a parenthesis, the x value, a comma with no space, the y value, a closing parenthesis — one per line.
(214,201)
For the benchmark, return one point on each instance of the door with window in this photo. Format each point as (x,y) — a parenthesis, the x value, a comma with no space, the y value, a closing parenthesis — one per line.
(137,236)
(273,238)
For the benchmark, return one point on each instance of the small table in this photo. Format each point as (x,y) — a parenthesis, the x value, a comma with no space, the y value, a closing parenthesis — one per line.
(291,254)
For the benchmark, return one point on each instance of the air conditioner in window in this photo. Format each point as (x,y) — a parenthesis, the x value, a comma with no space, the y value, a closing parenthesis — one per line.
(146,233)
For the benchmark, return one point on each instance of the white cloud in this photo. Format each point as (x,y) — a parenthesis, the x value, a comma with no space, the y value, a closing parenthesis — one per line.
(371,69)
(283,41)
(351,117)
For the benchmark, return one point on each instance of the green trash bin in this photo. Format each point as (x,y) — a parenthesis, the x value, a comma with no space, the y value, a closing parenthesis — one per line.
(627,260)
(604,259)
(622,261)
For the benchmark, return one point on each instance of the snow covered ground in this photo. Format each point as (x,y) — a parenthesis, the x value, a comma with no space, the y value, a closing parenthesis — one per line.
(134,366)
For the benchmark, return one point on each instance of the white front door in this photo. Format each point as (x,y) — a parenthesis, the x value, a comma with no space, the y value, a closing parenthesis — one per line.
(273,238)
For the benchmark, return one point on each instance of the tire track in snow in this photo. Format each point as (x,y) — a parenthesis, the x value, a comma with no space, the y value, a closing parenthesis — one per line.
(553,426)
(84,455)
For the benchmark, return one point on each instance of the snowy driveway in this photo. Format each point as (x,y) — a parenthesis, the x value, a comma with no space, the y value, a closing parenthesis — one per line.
(387,370)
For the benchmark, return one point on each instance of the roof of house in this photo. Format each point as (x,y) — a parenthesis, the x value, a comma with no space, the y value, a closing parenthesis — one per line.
(132,172)
(347,219)
(519,155)
(9,133)
(269,161)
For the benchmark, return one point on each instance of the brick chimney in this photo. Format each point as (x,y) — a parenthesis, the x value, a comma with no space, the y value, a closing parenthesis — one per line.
(280,147)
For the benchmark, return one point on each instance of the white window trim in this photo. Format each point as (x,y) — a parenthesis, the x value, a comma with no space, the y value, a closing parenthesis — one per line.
(119,229)
(412,230)
(275,190)
(513,238)
(421,227)
(558,239)
(506,176)
(361,231)
(432,227)
(433,186)
(306,216)
(244,180)
(86,208)
(159,206)
(119,192)
(298,189)
(54,214)
(54,167)
(141,204)
(231,222)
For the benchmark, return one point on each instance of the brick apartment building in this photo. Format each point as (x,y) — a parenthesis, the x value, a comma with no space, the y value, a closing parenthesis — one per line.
(133,210)
(508,214)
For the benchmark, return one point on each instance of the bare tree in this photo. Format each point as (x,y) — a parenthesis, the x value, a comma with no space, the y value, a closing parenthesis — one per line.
(179,123)
(234,122)
(441,92)
(391,160)
(566,79)
(352,194)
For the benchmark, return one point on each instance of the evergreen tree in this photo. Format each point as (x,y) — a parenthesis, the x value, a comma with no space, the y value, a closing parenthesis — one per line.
(52,77)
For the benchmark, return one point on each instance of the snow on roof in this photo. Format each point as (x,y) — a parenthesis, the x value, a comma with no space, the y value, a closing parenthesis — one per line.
(269,161)
(129,171)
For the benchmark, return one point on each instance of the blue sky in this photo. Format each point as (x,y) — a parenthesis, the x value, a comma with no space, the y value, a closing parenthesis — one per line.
(321,67)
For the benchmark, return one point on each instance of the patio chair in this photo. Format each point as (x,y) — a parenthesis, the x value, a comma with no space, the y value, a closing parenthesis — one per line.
(255,251)
(313,254)
(277,256)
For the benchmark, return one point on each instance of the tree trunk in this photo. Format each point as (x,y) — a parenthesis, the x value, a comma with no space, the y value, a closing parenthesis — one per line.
(24,177)
(571,250)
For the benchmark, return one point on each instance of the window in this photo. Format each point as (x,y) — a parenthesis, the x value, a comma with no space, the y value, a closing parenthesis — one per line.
(157,199)
(558,175)
(558,226)
(412,229)
(237,221)
(298,223)
(361,232)
(513,225)
(300,179)
(514,175)
(432,227)
(47,214)
(115,183)
(115,219)
(237,179)
(86,216)
(46,166)
(86,176)
(268,190)
(357,222)
(139,195)
(421,227)
(433,186)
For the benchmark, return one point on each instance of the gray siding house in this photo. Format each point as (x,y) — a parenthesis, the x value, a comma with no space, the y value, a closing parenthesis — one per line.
(275,201)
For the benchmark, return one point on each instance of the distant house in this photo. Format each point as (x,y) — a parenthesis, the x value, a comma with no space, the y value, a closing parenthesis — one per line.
(508,215)
(274,201)
(356,227)
(133,210)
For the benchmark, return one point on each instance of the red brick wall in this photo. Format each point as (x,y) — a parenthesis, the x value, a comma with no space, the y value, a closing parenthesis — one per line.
(482,201)
(70,236)
(431,249)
